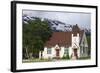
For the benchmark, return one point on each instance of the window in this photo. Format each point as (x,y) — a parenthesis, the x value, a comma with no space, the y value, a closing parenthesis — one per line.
(83,49)
(66,51)
(48,50)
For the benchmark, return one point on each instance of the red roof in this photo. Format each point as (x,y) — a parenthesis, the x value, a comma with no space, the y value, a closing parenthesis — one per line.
(60,38)
(63,38)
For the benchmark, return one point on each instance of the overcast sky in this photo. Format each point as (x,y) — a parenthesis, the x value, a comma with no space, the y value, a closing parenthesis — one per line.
(82,19)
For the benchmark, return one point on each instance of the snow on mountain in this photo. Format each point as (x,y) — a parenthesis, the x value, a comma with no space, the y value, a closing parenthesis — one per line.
(54,24)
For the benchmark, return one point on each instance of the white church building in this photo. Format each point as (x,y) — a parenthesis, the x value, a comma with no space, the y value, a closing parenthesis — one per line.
(72,43)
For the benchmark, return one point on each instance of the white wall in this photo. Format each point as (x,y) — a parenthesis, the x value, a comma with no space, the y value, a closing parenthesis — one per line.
(53,52)
(5,36)
(46,56)
(75,40)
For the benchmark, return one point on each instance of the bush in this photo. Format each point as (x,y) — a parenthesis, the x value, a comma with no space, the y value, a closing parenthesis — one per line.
(66,57)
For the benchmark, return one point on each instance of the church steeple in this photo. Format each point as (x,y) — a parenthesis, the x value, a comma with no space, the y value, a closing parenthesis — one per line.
(75,29)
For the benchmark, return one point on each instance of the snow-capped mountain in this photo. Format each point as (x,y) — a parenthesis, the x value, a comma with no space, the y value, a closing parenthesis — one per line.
(58,25)
(54,24)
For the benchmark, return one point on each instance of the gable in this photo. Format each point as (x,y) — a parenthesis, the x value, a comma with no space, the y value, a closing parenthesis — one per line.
(83,39)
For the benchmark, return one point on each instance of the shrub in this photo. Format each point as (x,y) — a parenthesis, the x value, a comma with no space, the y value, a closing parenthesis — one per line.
(66,57)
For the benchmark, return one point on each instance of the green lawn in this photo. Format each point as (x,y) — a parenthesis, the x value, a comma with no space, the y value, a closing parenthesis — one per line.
(50,60)
(84,58)
(41,60)
(35,60)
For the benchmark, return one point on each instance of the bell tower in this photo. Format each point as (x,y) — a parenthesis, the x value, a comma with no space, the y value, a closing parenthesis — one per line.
(75,41)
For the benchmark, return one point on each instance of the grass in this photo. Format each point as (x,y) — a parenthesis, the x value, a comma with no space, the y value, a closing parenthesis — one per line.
(50,60)
(84,58)
(41,60)
(35,60)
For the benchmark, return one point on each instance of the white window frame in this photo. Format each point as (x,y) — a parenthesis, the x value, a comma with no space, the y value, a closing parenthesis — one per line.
(49,50)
